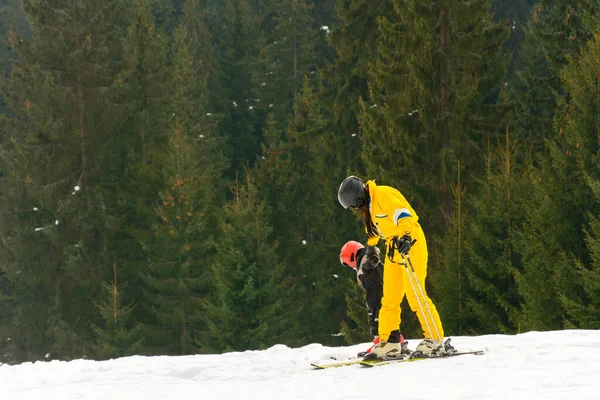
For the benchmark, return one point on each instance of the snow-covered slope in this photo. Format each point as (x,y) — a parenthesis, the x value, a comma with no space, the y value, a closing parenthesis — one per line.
(561,365)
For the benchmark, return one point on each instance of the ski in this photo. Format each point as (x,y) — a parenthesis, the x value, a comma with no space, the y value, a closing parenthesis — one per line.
(386,361)
(378,363)
(337,364)
(352,361)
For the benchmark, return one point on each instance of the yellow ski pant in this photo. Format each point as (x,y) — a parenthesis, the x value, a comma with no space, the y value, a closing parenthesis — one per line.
(396,285)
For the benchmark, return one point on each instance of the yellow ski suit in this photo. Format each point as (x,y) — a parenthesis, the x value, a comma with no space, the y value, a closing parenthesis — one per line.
(393,216)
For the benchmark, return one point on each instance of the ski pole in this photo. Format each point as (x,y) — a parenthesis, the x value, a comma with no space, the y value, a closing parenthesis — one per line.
(416,294)
(420,300)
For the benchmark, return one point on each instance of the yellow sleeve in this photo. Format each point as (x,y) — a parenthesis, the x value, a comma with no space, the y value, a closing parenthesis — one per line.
(402,215)
(406,226)
(372,241)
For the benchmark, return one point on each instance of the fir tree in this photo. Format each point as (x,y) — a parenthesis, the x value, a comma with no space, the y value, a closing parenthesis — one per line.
(55,228)
(181,248)
(585,313)
(253,308)
(238,51)
(554,32)
(355,327)
(515,14)
(117,338)
(138,149)
(204,55)
(492,265)
(344,81)
(8,353)
(289,54)
(168,14)
(433,90)
(295,170)
(179,252)
(449,278)
(558,212)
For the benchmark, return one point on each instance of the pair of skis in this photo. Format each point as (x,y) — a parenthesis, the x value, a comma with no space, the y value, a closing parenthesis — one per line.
(390,360)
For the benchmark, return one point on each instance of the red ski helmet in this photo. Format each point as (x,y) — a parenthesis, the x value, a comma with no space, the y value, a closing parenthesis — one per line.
(348,253)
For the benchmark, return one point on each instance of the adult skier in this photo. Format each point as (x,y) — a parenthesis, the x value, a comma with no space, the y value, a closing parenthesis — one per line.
(366,261)
(388,216)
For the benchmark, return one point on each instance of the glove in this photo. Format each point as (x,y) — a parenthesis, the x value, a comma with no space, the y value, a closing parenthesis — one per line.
(373,258)
(404,243)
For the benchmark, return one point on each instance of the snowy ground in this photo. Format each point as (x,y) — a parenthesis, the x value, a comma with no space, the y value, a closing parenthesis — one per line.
(535,365)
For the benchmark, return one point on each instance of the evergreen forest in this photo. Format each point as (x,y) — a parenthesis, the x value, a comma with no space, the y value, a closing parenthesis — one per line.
(169,168)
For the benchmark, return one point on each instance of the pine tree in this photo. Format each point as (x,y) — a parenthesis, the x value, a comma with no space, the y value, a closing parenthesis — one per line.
(178,252)
(586,314)
(138,149)
(237,53)
(289,54)
(168,15)
(492,264)
(181,248)
(449,278)
(583,313)
(559,209)
(433,90)
(344,81)
(204,55)
(294,170)
(565,199)
(515,13)
(55,228)
(546,234)
(117,338)
(253,308)
(8,354)
(555,31)
(355,327)
(142,85)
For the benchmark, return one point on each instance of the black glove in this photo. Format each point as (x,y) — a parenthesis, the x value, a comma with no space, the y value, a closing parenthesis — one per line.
(373,259)
(404,243)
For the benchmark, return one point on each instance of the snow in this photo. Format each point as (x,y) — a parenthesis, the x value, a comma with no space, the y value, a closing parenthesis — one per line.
(534,365)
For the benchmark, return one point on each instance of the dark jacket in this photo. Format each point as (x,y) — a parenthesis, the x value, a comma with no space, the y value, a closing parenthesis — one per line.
(369,274)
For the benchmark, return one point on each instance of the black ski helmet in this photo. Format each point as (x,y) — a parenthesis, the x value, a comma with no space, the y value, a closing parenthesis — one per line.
(352,192)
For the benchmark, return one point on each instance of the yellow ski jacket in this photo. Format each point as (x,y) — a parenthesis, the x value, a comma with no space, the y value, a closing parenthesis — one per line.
(391,214)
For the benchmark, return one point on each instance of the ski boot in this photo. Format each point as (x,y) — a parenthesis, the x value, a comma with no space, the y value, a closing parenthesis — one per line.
(432,348)
(395,347)
(364,353)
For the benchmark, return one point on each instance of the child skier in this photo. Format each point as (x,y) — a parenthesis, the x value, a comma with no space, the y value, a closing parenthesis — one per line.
(366,261)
